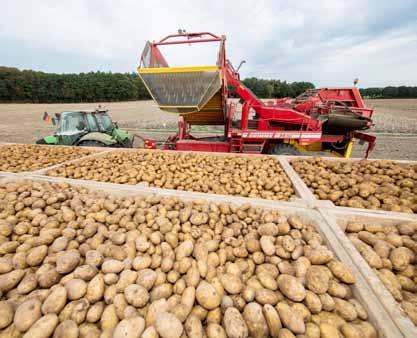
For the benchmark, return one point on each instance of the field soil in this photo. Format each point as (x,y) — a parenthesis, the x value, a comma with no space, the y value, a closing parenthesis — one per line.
(395,123)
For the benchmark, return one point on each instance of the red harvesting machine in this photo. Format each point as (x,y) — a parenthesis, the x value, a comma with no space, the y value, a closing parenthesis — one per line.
(326,119)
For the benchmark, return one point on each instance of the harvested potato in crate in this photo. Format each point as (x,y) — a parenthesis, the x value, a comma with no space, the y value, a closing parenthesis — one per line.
(370,184)
(251,176)
(30,157)
(391,251)
(79,263)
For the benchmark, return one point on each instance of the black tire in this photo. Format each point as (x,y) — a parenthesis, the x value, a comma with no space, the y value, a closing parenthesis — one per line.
(91,144)
(41,141)
(284,149)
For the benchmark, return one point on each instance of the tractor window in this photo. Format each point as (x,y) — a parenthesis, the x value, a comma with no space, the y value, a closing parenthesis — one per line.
(104,122)
(71,123)
(92,124)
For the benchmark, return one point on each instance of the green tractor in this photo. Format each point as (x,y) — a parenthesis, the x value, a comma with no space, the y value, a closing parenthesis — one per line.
(86,128)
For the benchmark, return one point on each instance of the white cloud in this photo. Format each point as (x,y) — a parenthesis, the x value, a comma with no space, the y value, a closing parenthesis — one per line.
(328,42)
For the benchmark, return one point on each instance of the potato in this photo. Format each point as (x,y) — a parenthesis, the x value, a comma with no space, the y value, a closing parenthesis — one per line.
(193,327)
(342,272)
(267,245)
(273,320)
(207,296)
(95,289)
(146,278)
(290,319)
(9,280)
(168,326)
(150,332)
(231,283)
(43,327)
(109,319)
(66,329)
(285,333)
(94,312)
(345,309)
(350,331)
(6,314)
(400,258)
(328,331)
(76,289)
(317,280)
(319,255)
(27,313)
(234,324)
(36,255)
(291,288)
(10,332)
(112,266)
(27,284)
(67,261)
(255,320)
(55,302)
(129,328)
(215,331)
(136,295)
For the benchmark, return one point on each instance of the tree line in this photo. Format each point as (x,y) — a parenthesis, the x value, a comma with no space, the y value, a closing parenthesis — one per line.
(390,92)
(40,87)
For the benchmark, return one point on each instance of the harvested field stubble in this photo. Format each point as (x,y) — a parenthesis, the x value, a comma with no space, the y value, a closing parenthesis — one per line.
(392,252)
(257,176)
(77,263)
(366,184)
(29,157)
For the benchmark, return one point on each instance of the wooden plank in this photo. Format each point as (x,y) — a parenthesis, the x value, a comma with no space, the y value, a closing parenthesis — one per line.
(336,218)
(378,314)
(299,186)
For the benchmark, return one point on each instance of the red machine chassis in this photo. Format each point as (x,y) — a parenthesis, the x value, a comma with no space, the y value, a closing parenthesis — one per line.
(285,120)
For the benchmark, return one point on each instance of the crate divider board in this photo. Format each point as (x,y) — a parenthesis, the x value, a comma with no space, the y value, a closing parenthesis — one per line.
(336,217)
(299,186)
(378,314)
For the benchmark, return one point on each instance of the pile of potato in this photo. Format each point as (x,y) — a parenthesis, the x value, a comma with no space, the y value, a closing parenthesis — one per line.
(229,174)
(392,252)
(378,184)
(76,263)
(30,157)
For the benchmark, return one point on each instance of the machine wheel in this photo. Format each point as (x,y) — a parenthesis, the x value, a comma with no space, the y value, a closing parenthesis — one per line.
(91,144)
(284,149)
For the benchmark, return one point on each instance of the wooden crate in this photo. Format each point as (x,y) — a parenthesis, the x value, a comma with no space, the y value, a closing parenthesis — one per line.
(337,218)
(379,315)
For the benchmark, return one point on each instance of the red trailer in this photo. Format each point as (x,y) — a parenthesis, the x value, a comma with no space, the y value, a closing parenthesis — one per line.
(326,119)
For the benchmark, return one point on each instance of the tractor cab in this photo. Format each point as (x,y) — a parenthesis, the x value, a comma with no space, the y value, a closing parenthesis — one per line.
(86,128)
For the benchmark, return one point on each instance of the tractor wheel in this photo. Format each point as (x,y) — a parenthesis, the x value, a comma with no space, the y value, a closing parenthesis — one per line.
(91,144)
(284,149)
(41,141)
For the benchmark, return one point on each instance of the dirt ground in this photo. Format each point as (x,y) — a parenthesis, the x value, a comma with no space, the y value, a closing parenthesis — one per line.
(23,123)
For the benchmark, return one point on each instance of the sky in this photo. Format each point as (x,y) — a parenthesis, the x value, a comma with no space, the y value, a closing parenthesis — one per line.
(327,42)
